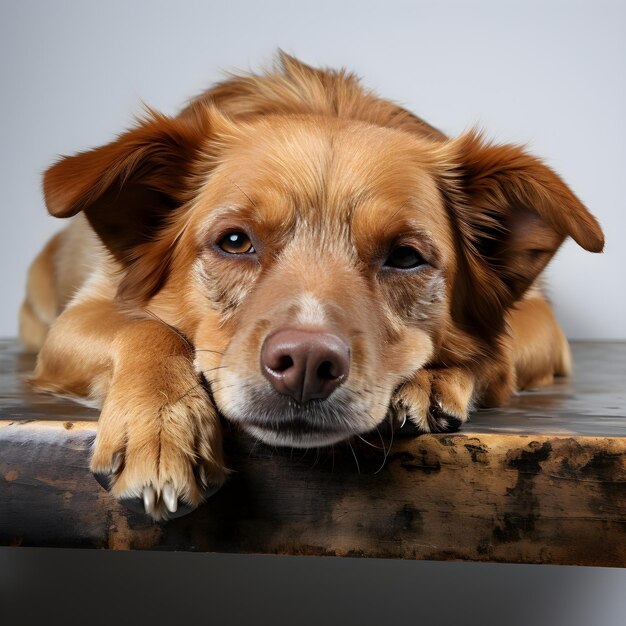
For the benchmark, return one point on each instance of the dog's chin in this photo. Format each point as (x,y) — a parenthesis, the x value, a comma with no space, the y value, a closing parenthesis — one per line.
(310,438)
(278,420)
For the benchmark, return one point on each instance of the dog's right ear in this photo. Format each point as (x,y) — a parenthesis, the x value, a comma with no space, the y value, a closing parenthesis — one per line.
(131,188)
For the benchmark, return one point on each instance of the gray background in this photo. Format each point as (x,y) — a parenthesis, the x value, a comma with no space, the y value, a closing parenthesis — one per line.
(552,74)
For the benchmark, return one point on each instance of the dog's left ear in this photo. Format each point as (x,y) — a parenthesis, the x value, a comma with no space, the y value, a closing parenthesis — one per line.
(511,213)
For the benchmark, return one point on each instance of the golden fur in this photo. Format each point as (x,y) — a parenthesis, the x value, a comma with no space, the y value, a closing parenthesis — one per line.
(132,301)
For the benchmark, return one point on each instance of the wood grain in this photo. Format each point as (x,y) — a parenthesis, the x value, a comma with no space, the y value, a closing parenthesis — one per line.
(542,481)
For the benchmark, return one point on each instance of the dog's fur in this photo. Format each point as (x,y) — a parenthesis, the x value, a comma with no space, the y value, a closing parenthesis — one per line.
(133,302)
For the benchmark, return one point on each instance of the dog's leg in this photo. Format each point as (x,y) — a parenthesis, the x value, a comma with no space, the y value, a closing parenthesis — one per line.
(159,435)
(41,305)
(57,273)
(539,348)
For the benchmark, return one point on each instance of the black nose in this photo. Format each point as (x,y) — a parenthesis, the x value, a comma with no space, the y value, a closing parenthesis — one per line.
(305,364)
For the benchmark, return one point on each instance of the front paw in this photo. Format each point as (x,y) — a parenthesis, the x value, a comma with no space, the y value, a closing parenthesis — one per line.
(433,401)
(163,459)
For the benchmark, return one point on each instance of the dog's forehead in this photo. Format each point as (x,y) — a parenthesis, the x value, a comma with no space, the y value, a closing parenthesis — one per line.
(329,173)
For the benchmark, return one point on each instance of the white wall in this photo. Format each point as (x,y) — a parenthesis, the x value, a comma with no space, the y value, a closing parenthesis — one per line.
(73,73)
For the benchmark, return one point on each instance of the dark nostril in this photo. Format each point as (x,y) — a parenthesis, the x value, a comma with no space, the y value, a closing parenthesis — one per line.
(325,371)
(283,364)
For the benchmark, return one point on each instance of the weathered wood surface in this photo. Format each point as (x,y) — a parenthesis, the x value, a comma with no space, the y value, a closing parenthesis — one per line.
(541,481)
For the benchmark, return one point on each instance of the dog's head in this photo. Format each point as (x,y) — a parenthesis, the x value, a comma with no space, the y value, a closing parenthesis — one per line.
(317,261)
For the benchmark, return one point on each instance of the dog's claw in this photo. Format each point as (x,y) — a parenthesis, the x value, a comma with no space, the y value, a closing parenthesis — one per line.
(452,424)
(210,490)
(149,499)
(104,480)
(170,498)
(116,463)
(148,503)
(202,476)
(409,428)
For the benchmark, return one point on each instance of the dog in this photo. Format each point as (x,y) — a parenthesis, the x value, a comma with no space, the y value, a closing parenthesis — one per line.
(302,257)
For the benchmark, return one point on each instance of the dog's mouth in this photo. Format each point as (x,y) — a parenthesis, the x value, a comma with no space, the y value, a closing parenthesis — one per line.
(295,426)
(295,433)
(280,421)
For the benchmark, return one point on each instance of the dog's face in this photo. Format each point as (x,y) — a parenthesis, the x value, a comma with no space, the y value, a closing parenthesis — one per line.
(327,266)
(317,263)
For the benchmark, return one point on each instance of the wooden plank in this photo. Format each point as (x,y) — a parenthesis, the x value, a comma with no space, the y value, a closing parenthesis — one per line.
(480,496)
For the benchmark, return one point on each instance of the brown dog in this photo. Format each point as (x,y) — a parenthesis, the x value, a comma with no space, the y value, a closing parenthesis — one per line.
(302,257)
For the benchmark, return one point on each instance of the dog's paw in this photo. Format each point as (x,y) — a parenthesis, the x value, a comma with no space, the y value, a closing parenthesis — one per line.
(161,459)
(434,401)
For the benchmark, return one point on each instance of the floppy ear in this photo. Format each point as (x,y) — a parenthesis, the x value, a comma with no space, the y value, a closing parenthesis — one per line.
(511,213)
(129,190)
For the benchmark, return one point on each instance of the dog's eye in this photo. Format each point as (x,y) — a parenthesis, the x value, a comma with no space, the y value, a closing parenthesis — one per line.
(404,258)
(236,242)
